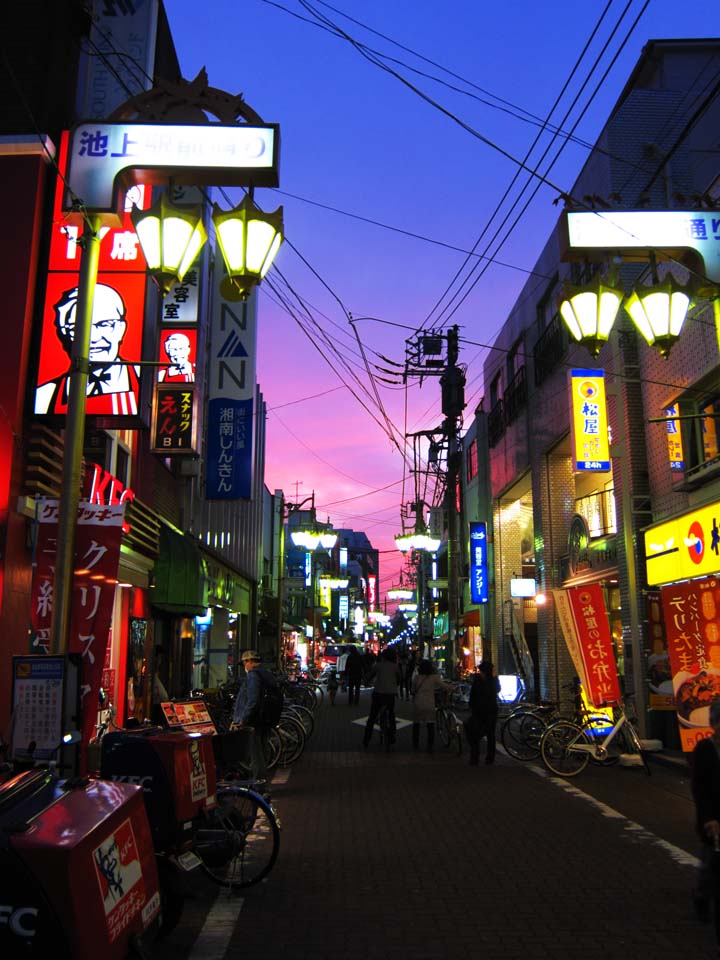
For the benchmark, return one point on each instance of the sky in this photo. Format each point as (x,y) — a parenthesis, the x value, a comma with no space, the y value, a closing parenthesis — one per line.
(409,132)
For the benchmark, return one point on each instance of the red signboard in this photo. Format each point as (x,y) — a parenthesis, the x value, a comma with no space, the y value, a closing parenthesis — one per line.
(692,623)
(117,317)
(586,628)
(97,554)
(173,419)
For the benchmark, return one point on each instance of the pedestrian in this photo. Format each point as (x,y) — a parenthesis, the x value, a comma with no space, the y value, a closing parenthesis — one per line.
(384,693)
(368,667)
(353,675)
(246,714)
(483,712)
(406,671)
(705,783)
(332,686)
(425,683)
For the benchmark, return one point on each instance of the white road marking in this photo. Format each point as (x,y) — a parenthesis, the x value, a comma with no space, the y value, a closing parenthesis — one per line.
(636,829)
(281,776)
(399,723)
(212,941)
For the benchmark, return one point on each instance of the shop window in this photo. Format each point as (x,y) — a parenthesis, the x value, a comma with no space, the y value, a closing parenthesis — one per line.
(703,435)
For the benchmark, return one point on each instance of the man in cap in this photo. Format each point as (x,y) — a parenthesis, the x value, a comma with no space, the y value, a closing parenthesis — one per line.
(246,715)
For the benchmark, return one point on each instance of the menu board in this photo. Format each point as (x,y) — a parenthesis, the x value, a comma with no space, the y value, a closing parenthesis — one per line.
(192,716)
(37,704)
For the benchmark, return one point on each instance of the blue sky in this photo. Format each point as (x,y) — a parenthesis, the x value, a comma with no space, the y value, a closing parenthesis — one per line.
(358,145)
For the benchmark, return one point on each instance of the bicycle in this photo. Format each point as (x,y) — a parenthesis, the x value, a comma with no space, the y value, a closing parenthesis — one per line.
(566,747)
(448,726)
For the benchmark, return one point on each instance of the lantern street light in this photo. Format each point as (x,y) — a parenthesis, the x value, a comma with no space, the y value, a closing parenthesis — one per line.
(659,312)
(310,540)
(590,310)
(171,238)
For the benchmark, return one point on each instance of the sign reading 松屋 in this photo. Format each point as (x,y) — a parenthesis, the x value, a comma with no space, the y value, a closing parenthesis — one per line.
(591,445)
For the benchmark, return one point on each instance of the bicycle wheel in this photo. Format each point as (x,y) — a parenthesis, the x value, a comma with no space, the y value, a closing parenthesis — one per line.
(273,746)
(634,744)
(556,748)
(521,734)
(442,725)
(304,715)
(292,740)
(238,841)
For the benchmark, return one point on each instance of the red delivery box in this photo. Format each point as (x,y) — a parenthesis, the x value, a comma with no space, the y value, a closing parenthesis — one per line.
(189,763)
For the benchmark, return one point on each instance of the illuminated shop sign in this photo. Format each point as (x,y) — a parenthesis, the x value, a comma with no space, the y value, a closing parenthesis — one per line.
(478,562)
(671,231)
(684,547)
(173,424)
(591,444)
(674,440)
(107,158)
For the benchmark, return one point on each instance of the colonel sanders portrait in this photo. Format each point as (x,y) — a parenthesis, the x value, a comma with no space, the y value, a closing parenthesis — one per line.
(113,385)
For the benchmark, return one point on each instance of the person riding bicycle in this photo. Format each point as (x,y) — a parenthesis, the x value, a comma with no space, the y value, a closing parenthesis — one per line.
(384,693)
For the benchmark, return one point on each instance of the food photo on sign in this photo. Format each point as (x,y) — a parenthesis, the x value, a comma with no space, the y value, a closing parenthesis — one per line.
(691,611)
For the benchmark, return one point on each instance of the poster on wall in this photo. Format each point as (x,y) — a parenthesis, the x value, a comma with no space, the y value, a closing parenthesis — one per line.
(691,611)
(586,628)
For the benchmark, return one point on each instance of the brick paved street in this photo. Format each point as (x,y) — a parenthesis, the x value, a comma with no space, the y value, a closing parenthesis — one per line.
(422,856)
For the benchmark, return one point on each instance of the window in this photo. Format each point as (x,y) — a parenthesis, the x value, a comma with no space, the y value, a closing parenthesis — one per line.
(703,434)
(471,460)
(495,389)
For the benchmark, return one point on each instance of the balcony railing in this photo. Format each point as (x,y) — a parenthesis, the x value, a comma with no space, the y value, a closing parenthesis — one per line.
(515,396)
(496,423)
(549,349)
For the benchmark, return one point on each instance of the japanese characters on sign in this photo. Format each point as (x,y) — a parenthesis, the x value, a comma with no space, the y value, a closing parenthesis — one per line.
(97,555)
(174,420)
(674,440)
(692,624)
(106,158)
(586,629)
(478,563)
(686,546)
(669,230)
(591,443)
(37,705)
(231,406)
(118,871)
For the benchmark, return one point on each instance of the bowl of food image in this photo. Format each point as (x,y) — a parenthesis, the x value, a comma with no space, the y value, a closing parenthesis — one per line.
(694,692)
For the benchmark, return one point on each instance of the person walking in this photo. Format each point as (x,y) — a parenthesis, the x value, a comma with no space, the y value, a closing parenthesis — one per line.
(483,712)
(384,693)
(425,683)
(332,686)
(705,785)
(353,675)
(406,670)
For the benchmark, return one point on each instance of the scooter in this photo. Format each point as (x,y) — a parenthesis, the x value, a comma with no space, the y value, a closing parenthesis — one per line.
(78,877)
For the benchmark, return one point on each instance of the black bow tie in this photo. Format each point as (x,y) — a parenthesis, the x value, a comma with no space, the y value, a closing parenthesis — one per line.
(95,380)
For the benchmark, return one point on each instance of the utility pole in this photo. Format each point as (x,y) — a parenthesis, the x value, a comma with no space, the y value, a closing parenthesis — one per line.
(452,383)
(424,358)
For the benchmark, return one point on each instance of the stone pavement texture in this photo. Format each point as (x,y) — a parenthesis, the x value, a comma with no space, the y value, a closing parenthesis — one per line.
(387,856)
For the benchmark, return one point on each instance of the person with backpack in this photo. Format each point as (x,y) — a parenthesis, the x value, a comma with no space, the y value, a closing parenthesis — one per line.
(483,712)
(257,708)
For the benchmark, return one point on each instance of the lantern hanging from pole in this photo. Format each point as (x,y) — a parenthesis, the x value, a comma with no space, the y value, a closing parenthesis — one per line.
(249,240)
(171,238)
(659,312)
(590,310)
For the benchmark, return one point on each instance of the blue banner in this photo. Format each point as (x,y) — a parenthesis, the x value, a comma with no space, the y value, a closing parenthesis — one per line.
(228,472)
(478,562)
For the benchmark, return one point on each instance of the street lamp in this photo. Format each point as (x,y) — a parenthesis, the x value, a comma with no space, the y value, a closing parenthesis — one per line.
(659,312)
(310,540)
(590,310)
(171,238)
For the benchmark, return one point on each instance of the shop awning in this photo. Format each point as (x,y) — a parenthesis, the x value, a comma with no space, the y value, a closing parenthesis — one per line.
(471,618)
(180,576)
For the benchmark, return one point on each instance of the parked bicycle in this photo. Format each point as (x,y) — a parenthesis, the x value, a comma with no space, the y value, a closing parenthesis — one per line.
(448,725)
(566,747)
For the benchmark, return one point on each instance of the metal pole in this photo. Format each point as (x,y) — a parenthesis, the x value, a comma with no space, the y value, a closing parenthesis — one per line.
(74,435)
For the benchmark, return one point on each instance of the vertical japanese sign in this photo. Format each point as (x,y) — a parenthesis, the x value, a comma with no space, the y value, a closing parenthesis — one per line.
(659,672)
(478,562)
(692,625)
(97,554)
(591,444)
(117,318)
(674,440)
(174,420)
(231,404)
(586,629)
(119,874)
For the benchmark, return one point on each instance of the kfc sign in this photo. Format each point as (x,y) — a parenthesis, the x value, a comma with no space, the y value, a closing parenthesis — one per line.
(103,488)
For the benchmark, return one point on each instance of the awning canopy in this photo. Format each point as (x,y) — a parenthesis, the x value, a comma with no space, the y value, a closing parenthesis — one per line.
(181,585)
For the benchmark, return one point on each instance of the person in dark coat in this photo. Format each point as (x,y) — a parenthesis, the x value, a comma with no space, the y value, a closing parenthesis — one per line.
(705,783)
(353,675)
(483,712)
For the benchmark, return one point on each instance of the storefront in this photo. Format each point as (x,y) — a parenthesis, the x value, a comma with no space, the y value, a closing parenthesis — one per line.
(227,625)
(682,555)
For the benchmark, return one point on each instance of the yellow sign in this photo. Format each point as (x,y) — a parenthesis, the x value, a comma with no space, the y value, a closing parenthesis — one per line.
(685,547)
(674,440)
(591,444)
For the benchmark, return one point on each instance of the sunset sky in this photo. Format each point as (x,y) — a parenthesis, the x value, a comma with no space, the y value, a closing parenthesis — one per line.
(399,142)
